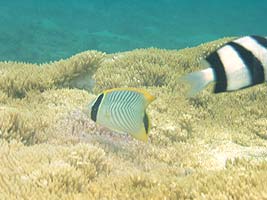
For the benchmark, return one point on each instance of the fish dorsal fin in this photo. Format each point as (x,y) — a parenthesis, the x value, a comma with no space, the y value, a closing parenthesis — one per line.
(149,98)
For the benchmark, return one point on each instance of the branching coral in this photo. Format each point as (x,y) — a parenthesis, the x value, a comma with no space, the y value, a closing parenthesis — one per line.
(49,171)
(205,147)
(19,78)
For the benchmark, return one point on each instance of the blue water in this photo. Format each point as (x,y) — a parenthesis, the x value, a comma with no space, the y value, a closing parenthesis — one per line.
(47,30)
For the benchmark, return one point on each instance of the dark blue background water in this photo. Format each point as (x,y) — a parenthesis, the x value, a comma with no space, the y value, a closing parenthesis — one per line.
(45,30)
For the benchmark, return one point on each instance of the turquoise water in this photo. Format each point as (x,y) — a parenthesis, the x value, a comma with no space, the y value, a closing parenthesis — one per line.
(47,30)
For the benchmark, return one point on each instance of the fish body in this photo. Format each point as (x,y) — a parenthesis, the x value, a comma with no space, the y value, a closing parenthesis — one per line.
(238,64)
(123,110)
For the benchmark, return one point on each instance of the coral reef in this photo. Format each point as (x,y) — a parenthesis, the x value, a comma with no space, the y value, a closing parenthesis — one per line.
(205,147)
(19,78)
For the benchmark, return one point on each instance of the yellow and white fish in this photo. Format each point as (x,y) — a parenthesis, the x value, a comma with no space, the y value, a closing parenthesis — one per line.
(238,64)
(123,110)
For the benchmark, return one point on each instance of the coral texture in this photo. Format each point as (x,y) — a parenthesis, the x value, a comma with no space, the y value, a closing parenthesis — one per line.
(205,147)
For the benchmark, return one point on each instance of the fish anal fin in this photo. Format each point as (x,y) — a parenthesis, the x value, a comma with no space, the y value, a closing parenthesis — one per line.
(142,135)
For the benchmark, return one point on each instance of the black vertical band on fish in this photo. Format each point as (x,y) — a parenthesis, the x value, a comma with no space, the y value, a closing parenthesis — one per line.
(95,107)
(252,63)
(260,40)
(146,123)
(220,75)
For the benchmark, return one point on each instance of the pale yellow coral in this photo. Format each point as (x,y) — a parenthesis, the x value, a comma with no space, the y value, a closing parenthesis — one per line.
(206,147)
(19,78)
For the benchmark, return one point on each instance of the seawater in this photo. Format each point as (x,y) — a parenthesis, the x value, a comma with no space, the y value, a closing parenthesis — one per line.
(47,30)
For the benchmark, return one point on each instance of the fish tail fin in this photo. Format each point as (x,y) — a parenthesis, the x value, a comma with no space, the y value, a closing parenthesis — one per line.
(197,81)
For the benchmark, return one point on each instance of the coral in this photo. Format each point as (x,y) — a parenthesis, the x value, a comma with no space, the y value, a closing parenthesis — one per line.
(205,147)
(150,67)
(46,171)
(19,78)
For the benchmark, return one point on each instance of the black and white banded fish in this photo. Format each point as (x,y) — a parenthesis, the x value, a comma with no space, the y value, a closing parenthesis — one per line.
(123,110)
(238,64)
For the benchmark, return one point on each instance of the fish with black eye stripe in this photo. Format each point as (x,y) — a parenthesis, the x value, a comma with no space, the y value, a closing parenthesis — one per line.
(123,110)
(238,64)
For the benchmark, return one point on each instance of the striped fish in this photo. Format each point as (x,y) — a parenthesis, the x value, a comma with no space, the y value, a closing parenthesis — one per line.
(123,110)
(238,64)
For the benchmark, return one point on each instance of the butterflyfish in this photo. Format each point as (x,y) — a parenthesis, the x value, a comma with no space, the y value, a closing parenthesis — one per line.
(123,110)
(238,64)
